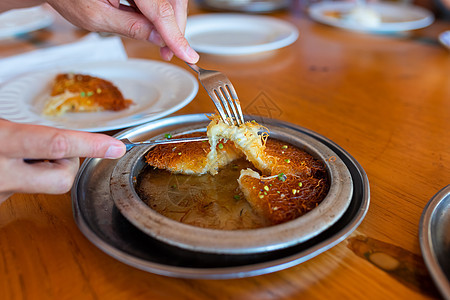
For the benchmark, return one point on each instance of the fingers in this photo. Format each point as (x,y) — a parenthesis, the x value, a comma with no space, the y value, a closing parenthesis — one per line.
(41,142)
(60,147)
(165,15)
(54,177)
(161,22)
(180,11)
(166,53)
(105,16)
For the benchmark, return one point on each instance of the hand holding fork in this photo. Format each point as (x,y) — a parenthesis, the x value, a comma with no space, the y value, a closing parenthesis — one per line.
(221,92)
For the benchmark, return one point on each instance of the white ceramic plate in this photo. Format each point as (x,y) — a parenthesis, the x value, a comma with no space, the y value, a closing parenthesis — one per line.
(19,21)
(394,16)
(157,89)
(444,38)
(238,34)
(251,6)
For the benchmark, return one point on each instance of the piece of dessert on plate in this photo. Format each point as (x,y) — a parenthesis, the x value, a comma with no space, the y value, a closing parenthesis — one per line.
(284,183)
(83,93)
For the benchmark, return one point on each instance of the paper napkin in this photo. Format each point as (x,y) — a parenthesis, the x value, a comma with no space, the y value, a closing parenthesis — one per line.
(91,48)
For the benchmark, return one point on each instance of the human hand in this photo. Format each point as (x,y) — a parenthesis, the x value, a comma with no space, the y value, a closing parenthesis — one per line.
(13,4)
(53,156)
(161,22)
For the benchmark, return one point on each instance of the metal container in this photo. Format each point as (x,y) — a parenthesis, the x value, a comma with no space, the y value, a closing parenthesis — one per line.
(234,241)
(154,248)
(434,236)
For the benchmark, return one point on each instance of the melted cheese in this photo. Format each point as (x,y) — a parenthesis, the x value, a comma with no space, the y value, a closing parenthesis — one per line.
(83,93)
(56,104)
(248,138)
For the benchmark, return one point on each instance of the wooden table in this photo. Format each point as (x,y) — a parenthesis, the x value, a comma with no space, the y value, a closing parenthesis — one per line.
(384,99)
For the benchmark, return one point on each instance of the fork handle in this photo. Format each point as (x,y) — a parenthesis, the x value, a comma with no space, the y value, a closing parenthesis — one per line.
(194,67)
(130,144)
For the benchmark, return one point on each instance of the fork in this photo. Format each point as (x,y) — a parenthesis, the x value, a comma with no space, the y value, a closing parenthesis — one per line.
(222,93)
(129,144)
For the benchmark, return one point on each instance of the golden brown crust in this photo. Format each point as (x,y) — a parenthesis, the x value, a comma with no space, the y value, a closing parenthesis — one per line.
(84,93)
(189,158)
(291,160)
(299,183)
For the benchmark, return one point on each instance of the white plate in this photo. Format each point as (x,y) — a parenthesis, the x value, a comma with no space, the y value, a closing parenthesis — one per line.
(157,89)
(394,16)
(19,21)
(444,38)
(252,6)
(237,34)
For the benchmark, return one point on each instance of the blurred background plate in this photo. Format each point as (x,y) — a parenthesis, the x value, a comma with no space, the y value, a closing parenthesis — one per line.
(394,16)
(19,21)
(250,6)
(444,38)
(238,34)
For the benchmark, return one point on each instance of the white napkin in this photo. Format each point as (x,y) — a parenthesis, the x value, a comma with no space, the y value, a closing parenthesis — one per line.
(91,48)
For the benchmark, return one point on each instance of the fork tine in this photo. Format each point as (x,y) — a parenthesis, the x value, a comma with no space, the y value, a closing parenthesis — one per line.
(237,104)
(227,93)
(222,96)
(219,107)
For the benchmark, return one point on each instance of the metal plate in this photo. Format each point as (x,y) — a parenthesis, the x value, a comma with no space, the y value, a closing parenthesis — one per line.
(434,235)
(208,240)
(101,222)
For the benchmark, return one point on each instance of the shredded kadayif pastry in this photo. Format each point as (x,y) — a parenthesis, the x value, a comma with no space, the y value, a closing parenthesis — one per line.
(83,93)
(296,184)
(226,143)
(291,182)
(249,138)
(191,158)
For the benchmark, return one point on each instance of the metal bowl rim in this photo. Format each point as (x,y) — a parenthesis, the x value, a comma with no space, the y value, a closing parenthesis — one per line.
(233,241)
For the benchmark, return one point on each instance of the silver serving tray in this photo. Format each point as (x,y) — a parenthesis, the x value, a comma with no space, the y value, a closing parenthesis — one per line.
(434,236)
(103,224)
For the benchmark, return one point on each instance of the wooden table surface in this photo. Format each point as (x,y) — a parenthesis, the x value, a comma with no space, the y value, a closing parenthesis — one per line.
(384,99)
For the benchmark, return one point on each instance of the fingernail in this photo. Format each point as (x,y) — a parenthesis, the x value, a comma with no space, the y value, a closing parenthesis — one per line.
(156,39)
(114,152)
(194,57)
(169,56)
